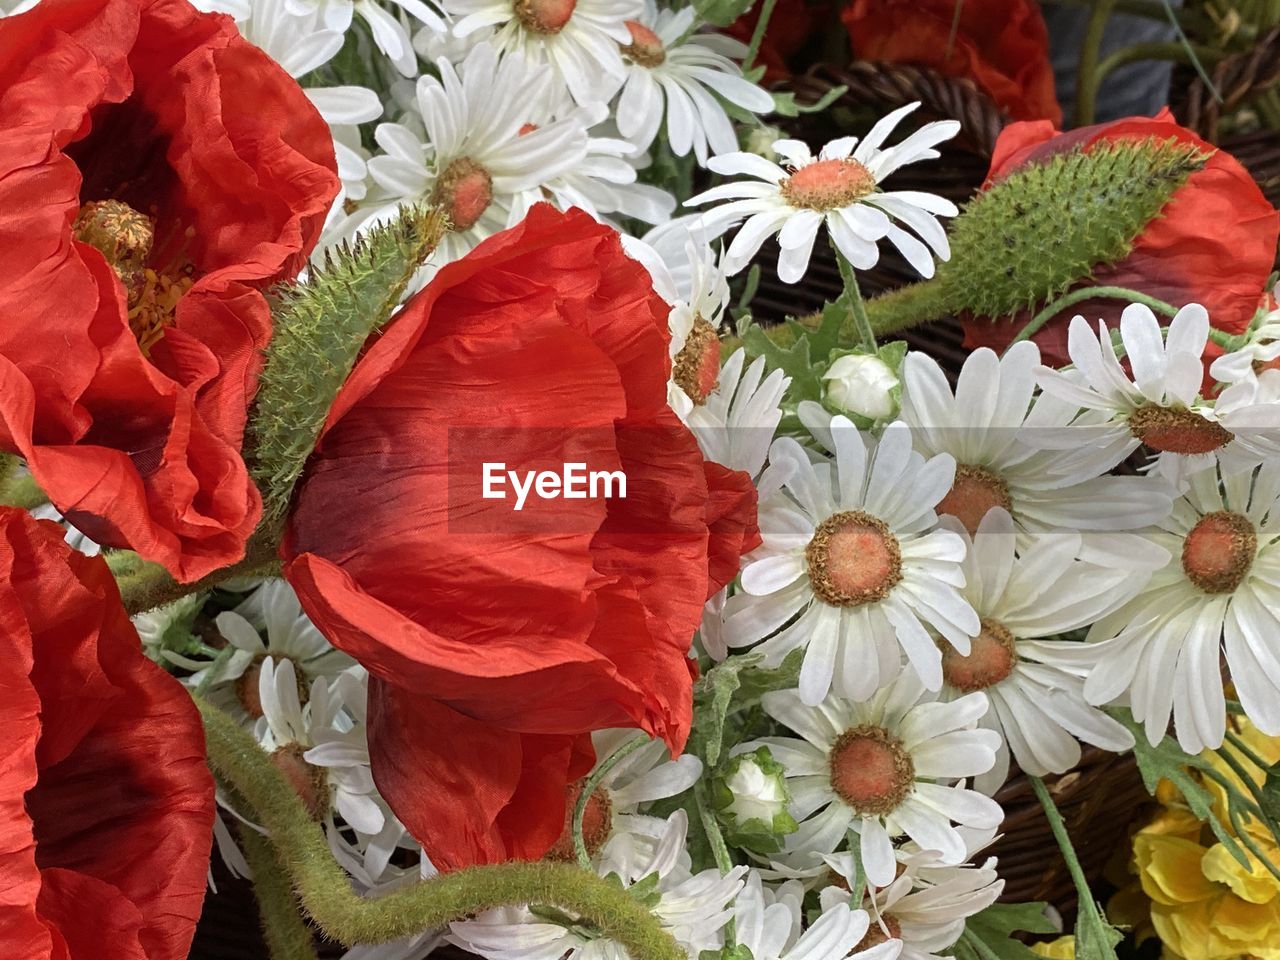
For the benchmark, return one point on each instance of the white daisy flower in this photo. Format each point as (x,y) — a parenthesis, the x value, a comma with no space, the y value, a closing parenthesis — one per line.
(667,62)
(770,926)
(1219,594)
(74,538)
(924,909)
(475,162)
(614,830)
(273,609)
(880,769)
(841,188)
(851,568)
(692,908)
(604,183)
(577,43)
(318,745)
(1160,405)
(390,33)
(1260,351)
(1037,700)
(991,424)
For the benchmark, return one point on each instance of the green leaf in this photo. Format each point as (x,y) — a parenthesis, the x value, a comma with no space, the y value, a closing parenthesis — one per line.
(1096,939)
(731,685)
(737,952)
(721,13)
(1168,761)
(994,927)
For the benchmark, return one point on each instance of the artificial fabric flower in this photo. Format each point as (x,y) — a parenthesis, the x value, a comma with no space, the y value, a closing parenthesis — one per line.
(841,188)
(387,30)
(880,769)
(693,908)
(1159,405)
(1258,353)
(1001,45)
(992,424)
(851,569)
(106,803)
(1218,595)
(576,43)
(497,639)
(475,162)
(861,385)
(1023,596)
(158,172)
(923,911)
(770,926)
(675,72)
(1174,257)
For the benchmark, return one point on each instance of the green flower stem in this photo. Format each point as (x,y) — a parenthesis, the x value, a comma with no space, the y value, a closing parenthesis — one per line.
(1088,293)
(146,585)
(757,35)
(1087,75)
(341,914)
(1086,904)
(287,934)
(1247,752)
(976,944)
(901,309)
(1163,50)
(589,787)
(719,849)
(857,307)
(20,489)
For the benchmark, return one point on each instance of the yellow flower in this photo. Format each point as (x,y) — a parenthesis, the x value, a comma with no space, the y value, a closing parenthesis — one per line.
(1064,948)
(1204,905)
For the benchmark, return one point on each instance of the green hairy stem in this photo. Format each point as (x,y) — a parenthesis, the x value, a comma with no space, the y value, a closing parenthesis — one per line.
(326,895)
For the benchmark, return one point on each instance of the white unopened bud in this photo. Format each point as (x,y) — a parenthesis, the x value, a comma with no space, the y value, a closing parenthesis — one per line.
(862,385)
(757,795)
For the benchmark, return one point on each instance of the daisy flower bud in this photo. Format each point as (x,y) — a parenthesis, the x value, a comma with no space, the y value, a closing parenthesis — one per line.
(861,385)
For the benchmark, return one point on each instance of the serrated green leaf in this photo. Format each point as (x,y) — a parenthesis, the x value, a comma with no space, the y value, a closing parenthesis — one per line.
(995,926)
(1168,761)
(1096,939)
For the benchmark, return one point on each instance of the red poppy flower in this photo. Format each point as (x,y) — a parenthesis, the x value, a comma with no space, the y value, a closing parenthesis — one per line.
(497,636)
(1001,45)
(106,804)
(157,171)
(1214,242)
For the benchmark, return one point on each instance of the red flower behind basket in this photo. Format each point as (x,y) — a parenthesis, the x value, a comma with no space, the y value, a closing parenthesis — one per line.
(106,804)
(498,637)
(157,172)
(1214,243)
(1001,45)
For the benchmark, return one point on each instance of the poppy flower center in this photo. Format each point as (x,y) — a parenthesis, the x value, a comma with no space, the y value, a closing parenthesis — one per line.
(645,47)
(544,16)
(1177,431)
(853,559)
(465,191)
(597,823)
(828,184)
(1219,551)
(876,934)
(991,658)
(697,366)
(309,782)
(870,770)
(125,238)
(975,491)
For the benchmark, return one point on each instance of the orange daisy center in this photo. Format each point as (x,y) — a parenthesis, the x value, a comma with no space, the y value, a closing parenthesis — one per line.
(645,47)
(1218,552)
(465,191)
(876,936)
(597,823)
(544,16)
(975,491)
(1177,431)
(853,559)
(870,770)
(827,184)
(991,659)
(696,368)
